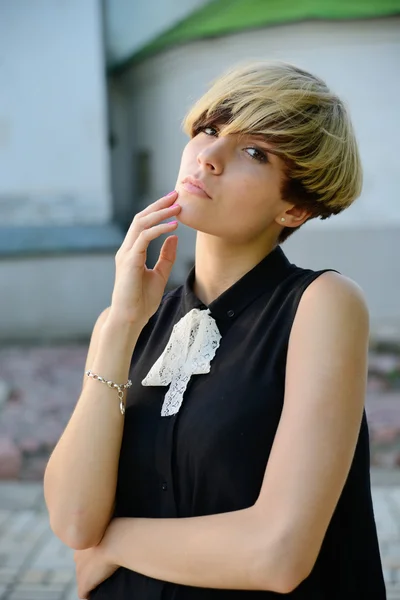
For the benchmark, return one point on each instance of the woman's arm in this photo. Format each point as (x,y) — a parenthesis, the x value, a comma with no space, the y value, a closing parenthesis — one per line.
(274,544)
(80,477)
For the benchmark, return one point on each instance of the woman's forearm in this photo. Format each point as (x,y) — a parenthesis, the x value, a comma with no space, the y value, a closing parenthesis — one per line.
(228,551)
(81,475)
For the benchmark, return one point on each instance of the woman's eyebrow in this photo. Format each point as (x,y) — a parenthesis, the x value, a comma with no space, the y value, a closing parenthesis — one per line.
(262,138)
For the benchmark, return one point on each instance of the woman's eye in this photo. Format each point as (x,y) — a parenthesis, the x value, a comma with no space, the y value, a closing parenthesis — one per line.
(257,154)
(210,130)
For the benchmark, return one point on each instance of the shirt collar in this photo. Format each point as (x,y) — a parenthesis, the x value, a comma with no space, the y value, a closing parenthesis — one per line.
(266,275)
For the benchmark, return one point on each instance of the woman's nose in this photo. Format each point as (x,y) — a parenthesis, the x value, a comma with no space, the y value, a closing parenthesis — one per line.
(211,159)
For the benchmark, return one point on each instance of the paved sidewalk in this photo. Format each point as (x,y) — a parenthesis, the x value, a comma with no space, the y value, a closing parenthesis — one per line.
(35,565)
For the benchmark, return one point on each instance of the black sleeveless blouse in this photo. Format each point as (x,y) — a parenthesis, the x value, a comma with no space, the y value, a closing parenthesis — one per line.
(211,456)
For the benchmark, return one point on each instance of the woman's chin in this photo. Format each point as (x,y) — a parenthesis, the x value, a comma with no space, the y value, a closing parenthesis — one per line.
(191,218)
(188,219)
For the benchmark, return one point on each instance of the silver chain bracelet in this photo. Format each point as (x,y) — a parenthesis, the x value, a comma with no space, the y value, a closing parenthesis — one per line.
(120,387)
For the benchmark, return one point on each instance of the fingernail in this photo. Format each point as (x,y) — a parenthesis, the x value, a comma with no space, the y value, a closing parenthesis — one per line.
(171,193)
(174,205)
(173,222)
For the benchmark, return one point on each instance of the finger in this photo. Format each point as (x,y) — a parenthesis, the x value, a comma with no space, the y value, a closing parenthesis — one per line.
(156,217)
(148,235)
(167,257)
(160,203)
(163,203)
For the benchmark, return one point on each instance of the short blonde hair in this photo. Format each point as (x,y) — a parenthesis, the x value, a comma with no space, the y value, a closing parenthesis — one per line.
(306,124)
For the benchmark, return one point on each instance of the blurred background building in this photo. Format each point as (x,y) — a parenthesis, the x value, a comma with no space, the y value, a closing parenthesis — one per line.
(92,96)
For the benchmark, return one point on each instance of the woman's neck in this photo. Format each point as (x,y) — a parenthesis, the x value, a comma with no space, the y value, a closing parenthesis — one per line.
(219,264)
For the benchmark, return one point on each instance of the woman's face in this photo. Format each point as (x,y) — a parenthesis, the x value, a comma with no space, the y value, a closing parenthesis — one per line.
(240,200)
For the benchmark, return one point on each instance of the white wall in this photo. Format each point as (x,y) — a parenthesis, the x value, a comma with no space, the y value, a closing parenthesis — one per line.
(54,298)
(53,134)
(131,24)
(359,60)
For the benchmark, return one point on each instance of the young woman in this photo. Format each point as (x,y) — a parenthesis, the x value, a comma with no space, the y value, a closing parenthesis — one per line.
(241,463)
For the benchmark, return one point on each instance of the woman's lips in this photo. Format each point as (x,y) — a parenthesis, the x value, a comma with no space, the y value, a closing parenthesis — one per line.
(193,189)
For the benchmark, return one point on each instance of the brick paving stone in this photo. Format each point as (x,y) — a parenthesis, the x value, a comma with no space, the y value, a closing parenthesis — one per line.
(32,595)
(8,575)
(395,495)
(4,516)
(391,571)
(393,552)
(54,555)
(15,550)
(62,576)
(386,478)
(12,556)
(20,521)
(45,383)
(36,588)
(34,576)
(3,589)
(72,593)
(14,496)
(10,458)
(386,521)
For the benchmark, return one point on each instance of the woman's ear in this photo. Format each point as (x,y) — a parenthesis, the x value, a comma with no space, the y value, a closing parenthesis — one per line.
(294,217)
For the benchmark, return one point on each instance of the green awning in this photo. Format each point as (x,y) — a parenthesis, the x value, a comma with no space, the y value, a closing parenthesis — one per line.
(221,17)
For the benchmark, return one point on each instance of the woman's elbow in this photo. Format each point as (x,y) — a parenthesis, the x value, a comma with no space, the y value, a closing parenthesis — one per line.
(75,535)
(288,582)
(279,568)
(283,581)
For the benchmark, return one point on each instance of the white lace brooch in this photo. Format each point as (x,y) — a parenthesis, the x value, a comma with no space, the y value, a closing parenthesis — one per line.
(193,344)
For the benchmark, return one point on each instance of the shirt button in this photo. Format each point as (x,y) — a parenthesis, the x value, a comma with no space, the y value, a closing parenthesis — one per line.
(164,486)
(231,313)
